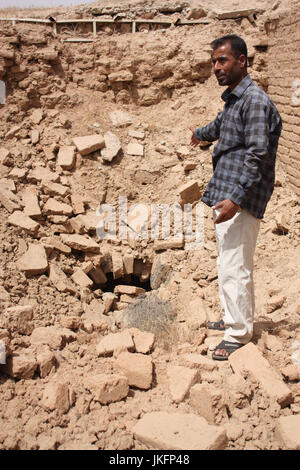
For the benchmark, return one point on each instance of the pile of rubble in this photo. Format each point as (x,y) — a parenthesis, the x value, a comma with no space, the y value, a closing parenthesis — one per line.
(103,341)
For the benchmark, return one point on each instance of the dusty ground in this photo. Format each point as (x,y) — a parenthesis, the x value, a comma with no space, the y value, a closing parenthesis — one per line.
(77,420)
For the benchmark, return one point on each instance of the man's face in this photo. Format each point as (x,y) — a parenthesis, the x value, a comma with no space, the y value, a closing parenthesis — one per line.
(228,70)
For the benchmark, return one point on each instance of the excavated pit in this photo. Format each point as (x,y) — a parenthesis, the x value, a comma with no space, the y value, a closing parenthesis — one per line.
(70,301)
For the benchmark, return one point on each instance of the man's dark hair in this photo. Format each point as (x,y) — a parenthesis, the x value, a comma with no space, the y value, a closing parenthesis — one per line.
(238,45)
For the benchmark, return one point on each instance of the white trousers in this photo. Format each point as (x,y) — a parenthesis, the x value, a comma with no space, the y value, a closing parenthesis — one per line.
(236,240)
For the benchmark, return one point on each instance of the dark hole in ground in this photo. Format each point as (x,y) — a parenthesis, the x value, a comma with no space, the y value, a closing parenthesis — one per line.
(129,280)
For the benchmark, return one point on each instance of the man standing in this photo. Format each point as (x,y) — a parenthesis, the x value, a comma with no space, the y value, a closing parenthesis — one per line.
(247,130)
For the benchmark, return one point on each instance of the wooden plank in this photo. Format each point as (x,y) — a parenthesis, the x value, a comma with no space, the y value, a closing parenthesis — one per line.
(29,20)
(94,29)
(133,27)
(78,40)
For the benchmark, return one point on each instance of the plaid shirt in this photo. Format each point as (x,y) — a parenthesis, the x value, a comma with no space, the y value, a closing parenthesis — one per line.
(244,157)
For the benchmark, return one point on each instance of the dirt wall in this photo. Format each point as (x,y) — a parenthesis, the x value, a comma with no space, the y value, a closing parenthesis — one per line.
(283,29)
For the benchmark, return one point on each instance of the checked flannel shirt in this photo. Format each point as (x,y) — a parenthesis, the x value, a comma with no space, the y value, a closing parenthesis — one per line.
(248,130)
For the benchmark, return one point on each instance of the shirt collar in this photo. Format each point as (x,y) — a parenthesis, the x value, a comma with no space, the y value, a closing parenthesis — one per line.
(238,90)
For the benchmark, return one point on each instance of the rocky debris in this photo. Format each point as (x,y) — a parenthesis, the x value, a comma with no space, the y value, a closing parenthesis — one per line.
(179,431)
(249,359)
(208,402)
(112,147)
(56,397)
(287,431)
(34,261)
(138,369)
(114,341)
(107,388)
(134,70)
(181,380)
(66,157)
(88,144)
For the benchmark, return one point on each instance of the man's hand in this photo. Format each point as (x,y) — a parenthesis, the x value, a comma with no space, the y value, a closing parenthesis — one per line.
(228,210)
(194,140)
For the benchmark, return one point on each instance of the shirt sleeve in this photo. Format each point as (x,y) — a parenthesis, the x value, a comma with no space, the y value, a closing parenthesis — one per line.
(210,132)
(256,134)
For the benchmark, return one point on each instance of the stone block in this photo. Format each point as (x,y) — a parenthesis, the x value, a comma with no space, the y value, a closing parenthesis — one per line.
(138,369)
(181,380)
(22,221)
(112,146)
(114,341)
(66,157)
(9,200)
(189,192)
(55,338)
(88,144)
(208,402)
(20,366)
(197,361)
(54,189)
(120,118)
(143,340)
(287,432)
(130,290)
(135,149)
(54,207)
(107,388)
(56,397)
(249,359)
(31,204)
(117,265)
(168,244)
(34,261)
(81,279)
(80,243)
(179,431)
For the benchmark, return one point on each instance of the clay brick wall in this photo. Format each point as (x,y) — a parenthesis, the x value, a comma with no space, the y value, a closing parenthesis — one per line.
(284,85)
